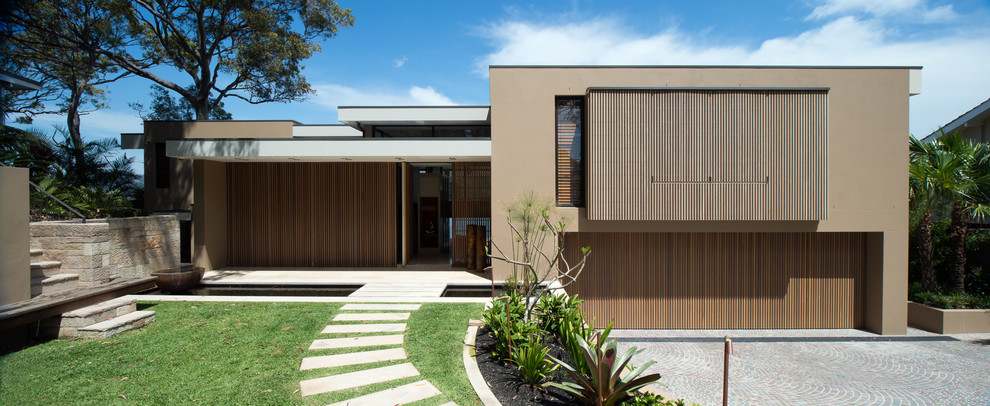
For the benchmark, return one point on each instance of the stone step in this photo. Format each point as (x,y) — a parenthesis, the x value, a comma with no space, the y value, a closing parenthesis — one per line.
(45,268)
(56,283)
(365,328)
(37,252)
(333,383)
(351,342)
(401,395)
(383,306)
(117,325)
(371,317)
(353,358)
(89,315)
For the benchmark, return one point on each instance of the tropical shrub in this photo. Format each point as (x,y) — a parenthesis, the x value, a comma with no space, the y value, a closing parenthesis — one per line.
(652,399)
(507,324)
(531,360)
(605,385)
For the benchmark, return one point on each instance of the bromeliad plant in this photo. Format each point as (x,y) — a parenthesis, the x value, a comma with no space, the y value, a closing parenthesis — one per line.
(604,386)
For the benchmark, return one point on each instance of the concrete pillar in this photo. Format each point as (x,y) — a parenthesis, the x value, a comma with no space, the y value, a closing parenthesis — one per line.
(15,236)
(210,214)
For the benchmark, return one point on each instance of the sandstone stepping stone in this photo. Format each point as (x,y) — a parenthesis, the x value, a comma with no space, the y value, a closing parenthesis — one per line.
(435,293)
(348,342)
(371,316)
(354,358)
(354,379)
(365,328)
(449,404)
(375,306)
(401,395)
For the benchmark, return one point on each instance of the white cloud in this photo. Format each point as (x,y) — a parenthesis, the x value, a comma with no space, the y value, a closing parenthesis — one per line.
(954,74)
(398,62)
(875,7)
(940,14)
(332,95)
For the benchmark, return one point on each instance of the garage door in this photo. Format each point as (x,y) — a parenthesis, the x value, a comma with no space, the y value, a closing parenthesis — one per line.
(721,280)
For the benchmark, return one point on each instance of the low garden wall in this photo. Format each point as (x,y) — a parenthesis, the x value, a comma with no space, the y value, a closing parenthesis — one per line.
(103,249)
(948,321)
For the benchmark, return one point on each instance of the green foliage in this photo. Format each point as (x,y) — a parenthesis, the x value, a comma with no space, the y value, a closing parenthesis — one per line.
(977,257)
(166,108)
(509,327)
(951,300)
(604,386)
(531,360)
(652,399)
(554,309)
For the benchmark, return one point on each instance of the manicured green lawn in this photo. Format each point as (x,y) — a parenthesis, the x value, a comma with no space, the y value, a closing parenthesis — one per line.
(222,353)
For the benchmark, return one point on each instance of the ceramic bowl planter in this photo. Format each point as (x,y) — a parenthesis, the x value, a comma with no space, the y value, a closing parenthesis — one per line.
(179,279)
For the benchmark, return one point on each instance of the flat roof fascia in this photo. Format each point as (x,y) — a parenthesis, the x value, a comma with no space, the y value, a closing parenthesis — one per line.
(359,116)
(18,82)
(132,141)
(339,150)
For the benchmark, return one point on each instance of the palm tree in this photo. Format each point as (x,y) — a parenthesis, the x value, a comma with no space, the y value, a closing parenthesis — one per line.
(954,174)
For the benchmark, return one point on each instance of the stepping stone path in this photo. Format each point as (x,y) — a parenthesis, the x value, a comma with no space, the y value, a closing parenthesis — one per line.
(398,395)
(400,289)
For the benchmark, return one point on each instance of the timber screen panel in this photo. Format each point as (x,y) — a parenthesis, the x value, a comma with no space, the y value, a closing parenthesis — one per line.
(312,214)
(675,154)
(472,204)
(721,280)
(570,151)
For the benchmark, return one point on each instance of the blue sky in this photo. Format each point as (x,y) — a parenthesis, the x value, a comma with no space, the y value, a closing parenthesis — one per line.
(425,53)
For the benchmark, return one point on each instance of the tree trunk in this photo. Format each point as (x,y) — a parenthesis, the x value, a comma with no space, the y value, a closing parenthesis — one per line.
(925,253)
(202,109)
(958,243)
(75,134)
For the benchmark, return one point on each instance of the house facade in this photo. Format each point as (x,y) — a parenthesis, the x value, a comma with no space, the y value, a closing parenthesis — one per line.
(711,197)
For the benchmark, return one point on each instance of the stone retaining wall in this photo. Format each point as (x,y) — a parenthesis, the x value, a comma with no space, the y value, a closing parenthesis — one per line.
(103,249)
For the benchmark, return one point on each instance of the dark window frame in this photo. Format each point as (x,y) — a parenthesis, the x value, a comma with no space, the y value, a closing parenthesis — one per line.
(581,134)
(163,167)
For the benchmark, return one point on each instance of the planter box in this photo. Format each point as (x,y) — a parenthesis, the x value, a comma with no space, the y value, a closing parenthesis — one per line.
(948,321)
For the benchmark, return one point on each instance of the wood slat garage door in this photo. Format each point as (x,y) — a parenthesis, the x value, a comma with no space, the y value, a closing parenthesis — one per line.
(721,280)
(312,214)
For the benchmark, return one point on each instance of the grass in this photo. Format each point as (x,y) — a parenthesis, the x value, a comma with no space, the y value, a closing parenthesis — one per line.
(224,353)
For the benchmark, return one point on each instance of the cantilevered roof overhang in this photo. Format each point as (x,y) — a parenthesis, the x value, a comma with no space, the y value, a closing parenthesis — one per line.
(339,150)
(360,116)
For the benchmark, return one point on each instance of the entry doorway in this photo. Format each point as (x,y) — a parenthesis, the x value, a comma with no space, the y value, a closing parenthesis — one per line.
(430,216)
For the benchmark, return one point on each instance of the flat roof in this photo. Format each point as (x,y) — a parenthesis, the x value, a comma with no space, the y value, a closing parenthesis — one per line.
(18,82)
(697,67)
(359,116)
(332,150)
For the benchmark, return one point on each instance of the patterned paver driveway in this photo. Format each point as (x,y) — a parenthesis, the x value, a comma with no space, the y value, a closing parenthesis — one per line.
(818,367)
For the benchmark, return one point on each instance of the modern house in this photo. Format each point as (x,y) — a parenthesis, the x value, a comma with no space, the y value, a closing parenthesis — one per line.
(711,197)
(972,125)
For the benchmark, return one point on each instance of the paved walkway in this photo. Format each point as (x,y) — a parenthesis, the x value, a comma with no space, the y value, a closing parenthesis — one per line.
(386,321)
(818,367)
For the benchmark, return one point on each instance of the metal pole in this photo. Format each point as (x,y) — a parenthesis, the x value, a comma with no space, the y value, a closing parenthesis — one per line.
(725,377)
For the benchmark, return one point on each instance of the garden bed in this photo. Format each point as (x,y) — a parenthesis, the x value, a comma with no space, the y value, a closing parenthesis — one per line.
(948,321)
(506,382)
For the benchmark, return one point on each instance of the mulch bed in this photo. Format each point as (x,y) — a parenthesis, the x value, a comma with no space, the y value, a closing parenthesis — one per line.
(506,383)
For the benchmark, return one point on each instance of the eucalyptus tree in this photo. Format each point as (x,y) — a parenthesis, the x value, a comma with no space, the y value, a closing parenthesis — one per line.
(252,50)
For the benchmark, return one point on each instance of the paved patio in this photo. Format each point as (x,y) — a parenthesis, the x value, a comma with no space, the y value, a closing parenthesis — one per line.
(818,367)
(345,276)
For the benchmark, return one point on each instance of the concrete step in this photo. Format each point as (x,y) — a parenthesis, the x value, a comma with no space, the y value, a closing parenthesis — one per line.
(56,283)
(364,328)
(352,358)
(380,306)
(37,252)
(352,342)
(371,317)
(117,325)
(45,268)
(89,315)
(401,395)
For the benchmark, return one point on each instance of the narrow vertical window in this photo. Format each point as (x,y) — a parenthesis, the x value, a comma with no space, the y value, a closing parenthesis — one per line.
(162,169)
(570,152)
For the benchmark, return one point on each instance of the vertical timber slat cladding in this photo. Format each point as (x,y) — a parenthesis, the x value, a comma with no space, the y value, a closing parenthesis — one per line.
(312,214)
(472,204)
(723,154)
(721,280)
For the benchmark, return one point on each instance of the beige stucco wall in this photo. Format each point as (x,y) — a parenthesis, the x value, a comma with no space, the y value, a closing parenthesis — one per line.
(15,271)
(178,195)
(867,184)
(103,249)
(210,215)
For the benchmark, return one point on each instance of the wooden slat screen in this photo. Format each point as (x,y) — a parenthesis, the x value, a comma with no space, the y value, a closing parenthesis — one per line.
(673,154)
(721,280)
(570,153)
(312,214)
(472,204)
